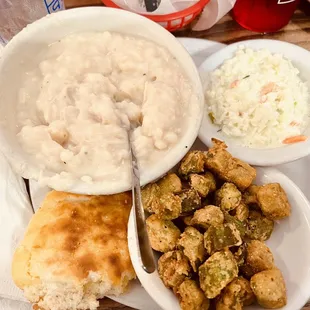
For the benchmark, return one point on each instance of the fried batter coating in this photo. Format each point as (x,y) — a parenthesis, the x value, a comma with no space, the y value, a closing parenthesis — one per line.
(191,242)
(191,297)
(191,201)
(216,272)
(219,237)
(171,183)
(193,162)
(240,255)
(163,234)
(241,212)
(228,197)
(236,294)
(228,168)
(187,220)
(203,184)
(258,258)
(169,206)
(173,268)
(269,289)
(240,226)
(258,226)
(150,197)
(273,201)
(209,215)
(250,195)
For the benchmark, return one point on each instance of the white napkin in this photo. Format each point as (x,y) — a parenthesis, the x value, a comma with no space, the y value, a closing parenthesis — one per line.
(15,213)
(211,14)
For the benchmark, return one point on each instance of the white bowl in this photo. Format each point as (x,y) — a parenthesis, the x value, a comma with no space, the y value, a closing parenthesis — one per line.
(260,157)
(20,54)
(289,243)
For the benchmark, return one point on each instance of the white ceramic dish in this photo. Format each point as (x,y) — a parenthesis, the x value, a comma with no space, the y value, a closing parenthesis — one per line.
(260,157)
(19,54)
(137,297)
(289,243)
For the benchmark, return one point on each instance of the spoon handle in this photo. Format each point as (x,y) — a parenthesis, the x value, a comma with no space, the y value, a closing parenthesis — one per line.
(146,252)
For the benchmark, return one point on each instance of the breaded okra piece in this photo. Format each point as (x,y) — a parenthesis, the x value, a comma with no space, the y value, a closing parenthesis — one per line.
(269,289)
(193,162)
(273,201)
(207,216)
(173,268)
(216,272)
(163,234)
(228,168)
(191,243)
(191,297)
(204,184)
(236,295)
(170,183)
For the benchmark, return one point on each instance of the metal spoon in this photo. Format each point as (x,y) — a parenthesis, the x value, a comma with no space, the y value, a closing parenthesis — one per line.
(146,252)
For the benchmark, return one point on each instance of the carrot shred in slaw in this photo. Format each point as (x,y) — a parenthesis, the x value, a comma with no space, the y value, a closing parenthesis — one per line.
(295,139)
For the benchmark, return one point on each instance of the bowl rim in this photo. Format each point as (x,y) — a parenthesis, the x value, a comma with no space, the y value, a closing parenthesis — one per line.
(254,156)
(172,157)
(146,282)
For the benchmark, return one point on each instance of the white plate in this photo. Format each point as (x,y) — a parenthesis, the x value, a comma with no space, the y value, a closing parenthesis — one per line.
(137,297)
(289,243)
(300,58)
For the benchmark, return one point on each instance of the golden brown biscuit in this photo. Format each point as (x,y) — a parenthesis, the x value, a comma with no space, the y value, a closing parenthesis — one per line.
(75,251)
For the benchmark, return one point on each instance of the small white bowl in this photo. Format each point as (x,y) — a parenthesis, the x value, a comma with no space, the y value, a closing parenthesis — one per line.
(289,243)
(20,55)
(260,157)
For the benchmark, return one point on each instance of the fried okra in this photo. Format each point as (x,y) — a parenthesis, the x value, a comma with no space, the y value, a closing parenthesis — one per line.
(191,297)
(193,162)
(236,294)
(240,255)
(217,238)
(191,201)
(171,183)
(163,234)
(191,242)
(187,220)
(209,215)
(269,289)
(169,207)
(273,201)
(216,272)
(241,212)
(203,184)
(228,197)
(258,226)
(228,168)
(250,195)
(241,227)
(173,268)
(150,197)
(258,258)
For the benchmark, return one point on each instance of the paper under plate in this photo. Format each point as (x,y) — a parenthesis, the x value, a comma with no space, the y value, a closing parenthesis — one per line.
(137,297)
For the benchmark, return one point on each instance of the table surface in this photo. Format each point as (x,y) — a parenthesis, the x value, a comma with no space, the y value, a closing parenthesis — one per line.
(226,31)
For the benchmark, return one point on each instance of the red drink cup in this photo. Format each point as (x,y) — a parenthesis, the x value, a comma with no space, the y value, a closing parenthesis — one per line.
(264,15)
